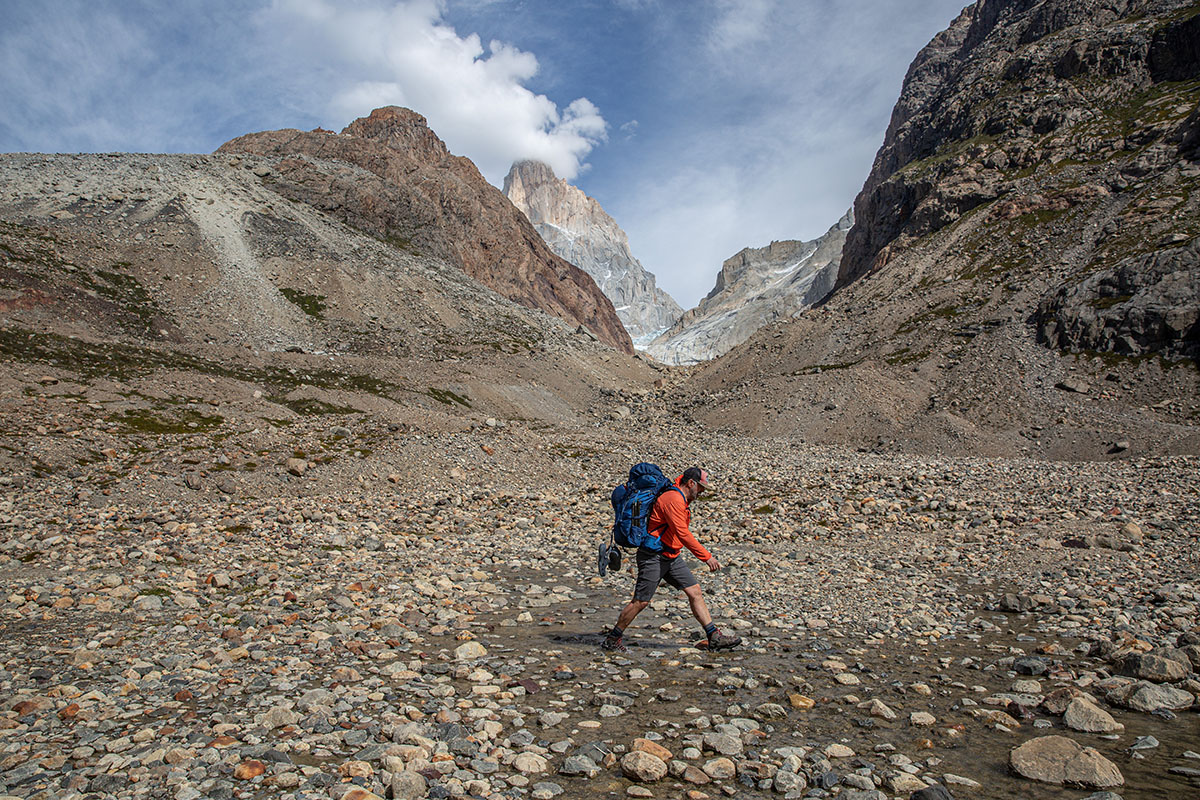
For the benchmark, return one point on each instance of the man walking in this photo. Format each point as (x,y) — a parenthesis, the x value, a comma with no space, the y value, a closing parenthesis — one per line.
(669,520)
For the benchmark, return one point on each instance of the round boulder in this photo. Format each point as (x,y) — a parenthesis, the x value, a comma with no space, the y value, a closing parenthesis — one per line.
(643,767)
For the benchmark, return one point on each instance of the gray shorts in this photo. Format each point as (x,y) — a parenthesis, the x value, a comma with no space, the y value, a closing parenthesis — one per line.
(654,568)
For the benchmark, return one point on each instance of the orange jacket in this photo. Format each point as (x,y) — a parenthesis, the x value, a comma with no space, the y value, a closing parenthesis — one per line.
(669,521)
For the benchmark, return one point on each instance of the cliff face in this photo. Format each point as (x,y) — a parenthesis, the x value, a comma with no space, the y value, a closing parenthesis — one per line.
(579,230)
(1015,85)
(754,288)
(389,175)
(1022,273)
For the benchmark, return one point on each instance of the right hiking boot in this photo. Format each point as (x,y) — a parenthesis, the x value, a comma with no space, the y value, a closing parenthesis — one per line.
(723,641)
(614,644)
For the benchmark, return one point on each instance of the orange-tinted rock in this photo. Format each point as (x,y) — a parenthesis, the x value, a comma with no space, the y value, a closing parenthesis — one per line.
(248,770)
(388,174)
(653,748)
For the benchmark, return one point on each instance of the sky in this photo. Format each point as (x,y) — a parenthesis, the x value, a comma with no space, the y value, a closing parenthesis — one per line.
(701,126)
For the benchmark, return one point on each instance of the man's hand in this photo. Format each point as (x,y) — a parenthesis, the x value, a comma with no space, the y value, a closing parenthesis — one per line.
(713,564)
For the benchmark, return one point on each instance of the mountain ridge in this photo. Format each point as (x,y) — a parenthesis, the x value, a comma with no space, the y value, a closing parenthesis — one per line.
(577,228)
(754,287)
(390,175)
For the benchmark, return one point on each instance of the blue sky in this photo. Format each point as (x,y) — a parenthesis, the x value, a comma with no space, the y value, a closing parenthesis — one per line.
(701,126)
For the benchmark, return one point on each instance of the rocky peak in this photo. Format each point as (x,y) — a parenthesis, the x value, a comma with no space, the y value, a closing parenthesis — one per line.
(388,174)
(578,229)
(755,286)
(400,129)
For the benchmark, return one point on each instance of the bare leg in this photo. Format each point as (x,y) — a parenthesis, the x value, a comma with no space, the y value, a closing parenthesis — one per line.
(630,611)
(696,601)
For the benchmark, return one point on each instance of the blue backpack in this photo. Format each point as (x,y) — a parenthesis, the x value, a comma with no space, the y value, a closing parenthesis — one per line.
(632,503)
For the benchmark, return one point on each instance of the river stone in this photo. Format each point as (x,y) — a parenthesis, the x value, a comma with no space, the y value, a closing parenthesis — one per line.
(1152,667)
(719,768)
(1057,701)
(408,785)
(469,651)
(788,782)
(1148,697)
(546,790)
(653,748)
(902,783)
(933,792)
(723,743)
(1083,715)
(643,767)
(529,763)
(1059,760)
(579,765)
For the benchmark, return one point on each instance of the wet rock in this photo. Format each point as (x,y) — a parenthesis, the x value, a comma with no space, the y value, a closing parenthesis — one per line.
(469,651)
(643,767)
(653,748)
(1083,715)
(1150,697)
(1153,667)
(579,765)
(1057,701)
(1059,760)
(933,792)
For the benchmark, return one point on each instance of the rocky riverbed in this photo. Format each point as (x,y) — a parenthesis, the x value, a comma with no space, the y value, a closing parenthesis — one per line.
(977,628)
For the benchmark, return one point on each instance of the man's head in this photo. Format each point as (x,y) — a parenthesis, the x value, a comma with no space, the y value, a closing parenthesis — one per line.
(694,481)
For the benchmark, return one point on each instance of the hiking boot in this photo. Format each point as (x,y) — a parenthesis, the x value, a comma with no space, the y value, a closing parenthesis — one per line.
(615,644)
(723,641)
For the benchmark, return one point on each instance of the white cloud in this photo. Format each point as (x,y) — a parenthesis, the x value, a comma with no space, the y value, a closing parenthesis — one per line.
(739,23)
(474,98)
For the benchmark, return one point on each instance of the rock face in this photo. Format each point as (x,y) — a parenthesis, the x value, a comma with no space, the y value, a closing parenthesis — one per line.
(580,231)
(1031,222)
(1103,89)
(389,175)
(1145,304)
(754,288)
(1011,84)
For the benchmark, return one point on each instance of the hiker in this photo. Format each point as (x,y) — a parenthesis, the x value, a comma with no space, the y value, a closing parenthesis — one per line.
(669,521)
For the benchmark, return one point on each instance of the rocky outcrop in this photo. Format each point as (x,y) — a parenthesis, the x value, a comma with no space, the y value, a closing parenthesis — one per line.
(1146,304)
(579,230)
(389,175)
(755,287)
(1013,85)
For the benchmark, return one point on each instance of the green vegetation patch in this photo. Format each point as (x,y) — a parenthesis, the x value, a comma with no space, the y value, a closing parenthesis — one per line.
(924,166)
(126,292)
(1109,302)
(764,510)
(123,362)
(906,356)
(448,397)
(312,407)
(944,311)
(180,421)
(311,304)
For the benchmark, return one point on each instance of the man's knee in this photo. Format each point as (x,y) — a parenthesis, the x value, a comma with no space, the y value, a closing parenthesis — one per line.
(693,592)
(640,605)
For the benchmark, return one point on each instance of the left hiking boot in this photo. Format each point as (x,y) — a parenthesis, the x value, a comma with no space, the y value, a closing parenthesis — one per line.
(723,641)
(614,644)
